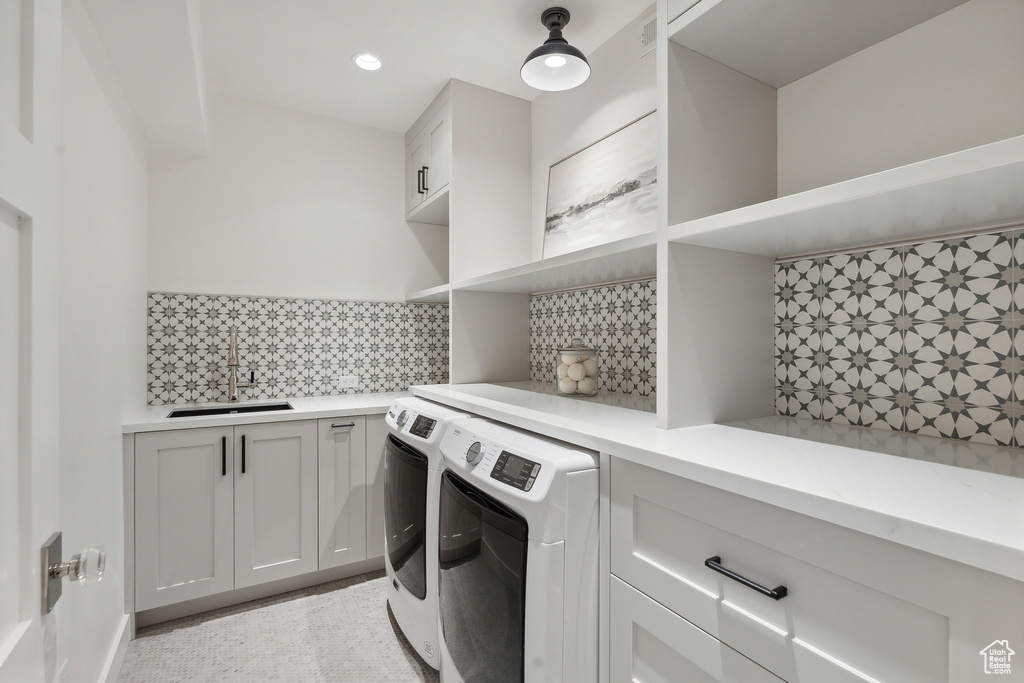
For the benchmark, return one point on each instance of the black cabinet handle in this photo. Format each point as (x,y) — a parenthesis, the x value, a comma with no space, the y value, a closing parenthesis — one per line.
(419,181)
(223,456)
(776,593)
(243,453)
(425,188)
(342,425)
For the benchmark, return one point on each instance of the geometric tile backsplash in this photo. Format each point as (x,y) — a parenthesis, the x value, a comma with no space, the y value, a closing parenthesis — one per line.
(296,347)
(921,338)
(616,320)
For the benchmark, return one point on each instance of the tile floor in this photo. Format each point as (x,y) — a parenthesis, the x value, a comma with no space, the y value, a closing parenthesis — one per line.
(336,632)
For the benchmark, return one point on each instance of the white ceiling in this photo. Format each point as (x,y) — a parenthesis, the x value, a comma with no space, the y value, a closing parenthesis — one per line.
(298,53)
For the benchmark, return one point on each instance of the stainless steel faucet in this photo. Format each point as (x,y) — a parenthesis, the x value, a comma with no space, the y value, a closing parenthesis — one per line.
(233,384)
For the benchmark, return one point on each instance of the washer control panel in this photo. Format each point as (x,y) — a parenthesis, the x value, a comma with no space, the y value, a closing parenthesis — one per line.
(515,470)
(422,426)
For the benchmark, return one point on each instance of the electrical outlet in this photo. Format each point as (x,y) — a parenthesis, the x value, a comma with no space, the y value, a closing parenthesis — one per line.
(348,382)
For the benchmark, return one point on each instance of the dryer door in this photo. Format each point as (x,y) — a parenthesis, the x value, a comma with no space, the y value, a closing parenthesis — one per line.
(405,514)
(482,588)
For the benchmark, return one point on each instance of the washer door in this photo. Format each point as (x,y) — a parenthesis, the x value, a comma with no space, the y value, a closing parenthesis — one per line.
(405,514)
(482,589)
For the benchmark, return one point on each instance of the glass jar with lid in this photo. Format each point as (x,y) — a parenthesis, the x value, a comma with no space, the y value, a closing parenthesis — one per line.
(576,370)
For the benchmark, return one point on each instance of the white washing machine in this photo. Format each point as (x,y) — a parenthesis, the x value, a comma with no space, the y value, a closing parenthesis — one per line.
(518,557)
(412,470)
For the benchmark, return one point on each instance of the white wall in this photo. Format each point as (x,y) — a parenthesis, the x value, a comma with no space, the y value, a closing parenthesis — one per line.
(948,84)
(621,88)
(290,204)
(103,330)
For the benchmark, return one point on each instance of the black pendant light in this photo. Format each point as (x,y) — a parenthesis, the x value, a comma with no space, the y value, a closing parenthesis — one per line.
(555,65)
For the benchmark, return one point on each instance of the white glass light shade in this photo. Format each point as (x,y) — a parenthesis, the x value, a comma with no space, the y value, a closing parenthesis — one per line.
(540,69)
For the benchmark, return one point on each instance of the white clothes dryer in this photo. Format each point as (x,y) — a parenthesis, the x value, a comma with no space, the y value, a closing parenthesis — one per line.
(412,469)
(518,557)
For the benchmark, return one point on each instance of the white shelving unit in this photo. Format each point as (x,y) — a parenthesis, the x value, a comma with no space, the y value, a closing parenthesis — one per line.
(975,188)
(631,258)
(432,295)
(780,41)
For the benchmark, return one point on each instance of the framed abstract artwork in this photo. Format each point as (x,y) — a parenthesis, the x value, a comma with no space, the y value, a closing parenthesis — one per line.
(604,192)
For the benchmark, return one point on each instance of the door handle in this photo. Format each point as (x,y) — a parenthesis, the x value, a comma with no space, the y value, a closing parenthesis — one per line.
(425,188)
(243,453)
(419,181)
(223,456)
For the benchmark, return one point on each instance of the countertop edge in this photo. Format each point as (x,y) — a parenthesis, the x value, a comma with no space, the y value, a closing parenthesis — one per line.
(154,418)
(870,495)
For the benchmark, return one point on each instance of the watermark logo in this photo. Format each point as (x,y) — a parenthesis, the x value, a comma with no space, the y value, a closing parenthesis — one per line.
(997,657)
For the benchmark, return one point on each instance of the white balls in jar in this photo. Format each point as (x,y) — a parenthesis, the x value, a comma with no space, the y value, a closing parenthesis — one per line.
(577,374)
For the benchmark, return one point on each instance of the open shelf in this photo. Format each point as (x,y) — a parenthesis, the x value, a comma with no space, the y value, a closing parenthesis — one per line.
(780,41)
(627,259)
(975,188)
(433,295)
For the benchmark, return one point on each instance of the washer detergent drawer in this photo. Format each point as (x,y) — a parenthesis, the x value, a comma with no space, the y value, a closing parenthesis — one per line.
(405,514)
(830,624)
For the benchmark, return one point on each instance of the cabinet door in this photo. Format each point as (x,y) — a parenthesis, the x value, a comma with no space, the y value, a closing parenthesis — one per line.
(417,158)
(275,501)
(342,478)
(376,436)
(183,523)
(438,164)
(651,643)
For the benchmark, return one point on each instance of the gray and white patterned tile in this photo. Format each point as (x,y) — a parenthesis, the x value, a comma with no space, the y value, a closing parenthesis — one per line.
(797,300)
(955,420)
(969,277)
(864,289)
(862,360)
(970,363)
(863,410)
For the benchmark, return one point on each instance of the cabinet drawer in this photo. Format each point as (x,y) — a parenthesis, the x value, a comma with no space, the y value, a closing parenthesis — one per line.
(830,626)
(652,644)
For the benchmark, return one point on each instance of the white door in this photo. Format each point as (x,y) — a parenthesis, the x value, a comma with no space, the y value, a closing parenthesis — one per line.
(29,208)
(342,491)
(183,515)
(438,172)
(275,501)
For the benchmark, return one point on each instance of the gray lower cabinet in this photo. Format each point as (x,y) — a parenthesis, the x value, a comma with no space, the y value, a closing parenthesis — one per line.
(275,501)
(376,436)
(184,509)
(342,491)
(855,607)
(223,508)
(653,644)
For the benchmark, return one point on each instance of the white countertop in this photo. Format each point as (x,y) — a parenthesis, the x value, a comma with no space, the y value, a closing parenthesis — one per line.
(154,418)
(909,489)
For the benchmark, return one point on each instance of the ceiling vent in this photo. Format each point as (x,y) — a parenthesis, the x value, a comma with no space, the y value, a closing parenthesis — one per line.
(648,34)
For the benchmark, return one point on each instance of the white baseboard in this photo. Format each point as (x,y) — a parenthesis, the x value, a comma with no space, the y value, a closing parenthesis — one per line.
(112,667)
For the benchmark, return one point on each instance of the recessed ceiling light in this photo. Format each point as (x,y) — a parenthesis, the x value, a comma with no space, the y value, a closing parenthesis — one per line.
(364,60)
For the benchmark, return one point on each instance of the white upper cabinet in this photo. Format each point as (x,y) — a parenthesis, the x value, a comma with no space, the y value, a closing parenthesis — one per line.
(275,501)
(428,153)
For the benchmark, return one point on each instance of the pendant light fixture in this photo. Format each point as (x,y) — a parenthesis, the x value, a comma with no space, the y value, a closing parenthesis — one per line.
(555,65)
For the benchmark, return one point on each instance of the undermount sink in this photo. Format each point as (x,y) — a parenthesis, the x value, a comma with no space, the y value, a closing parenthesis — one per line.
(229,409)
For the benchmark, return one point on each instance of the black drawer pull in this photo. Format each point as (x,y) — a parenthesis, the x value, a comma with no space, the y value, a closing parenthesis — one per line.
(419,181)
(243,453)
(223,456)
(774,593)
(342,425)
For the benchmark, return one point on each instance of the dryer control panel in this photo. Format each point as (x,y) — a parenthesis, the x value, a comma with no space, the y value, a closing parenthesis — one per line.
(515,471)
(422,426)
